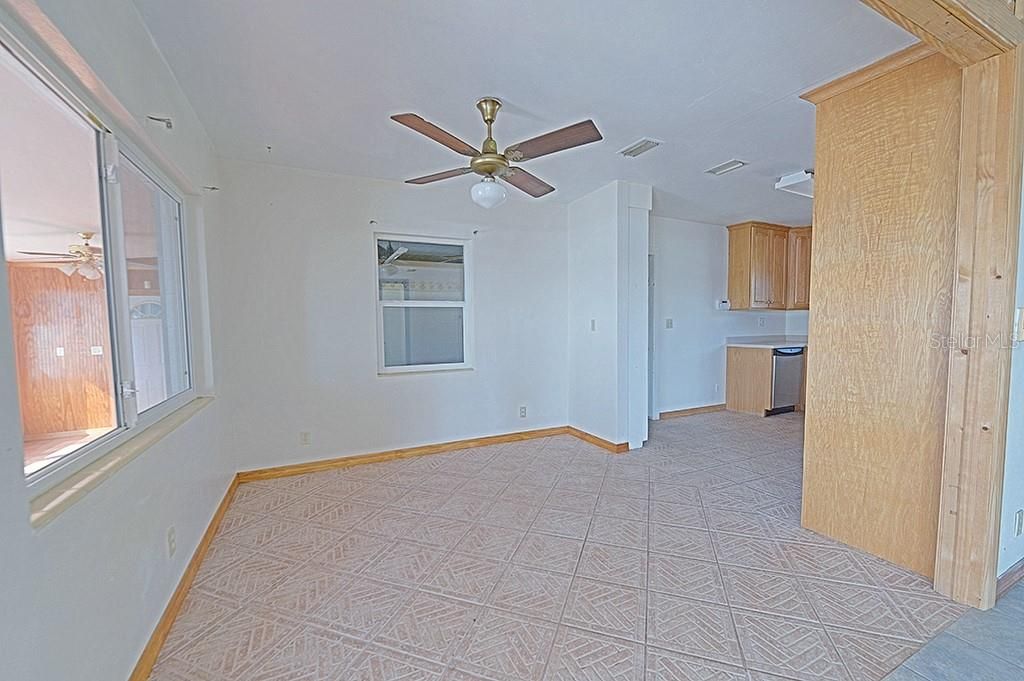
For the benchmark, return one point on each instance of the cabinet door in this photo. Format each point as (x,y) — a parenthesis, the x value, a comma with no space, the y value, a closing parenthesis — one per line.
(777,269)
(798,289)
(760,267)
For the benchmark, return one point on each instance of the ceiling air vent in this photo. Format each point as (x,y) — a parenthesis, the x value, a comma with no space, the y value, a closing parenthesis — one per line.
(641,146)
(727,167)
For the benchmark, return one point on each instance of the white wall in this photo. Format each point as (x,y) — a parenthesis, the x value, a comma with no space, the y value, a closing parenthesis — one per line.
(80,597)
(1011,548)
(690,273)
(294,314)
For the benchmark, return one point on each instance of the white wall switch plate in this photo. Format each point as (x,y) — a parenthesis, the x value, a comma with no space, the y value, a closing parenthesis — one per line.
(762,321)
(593,325)
(96,350)
(668,323)
(522,412)
(60,352)
(305,438)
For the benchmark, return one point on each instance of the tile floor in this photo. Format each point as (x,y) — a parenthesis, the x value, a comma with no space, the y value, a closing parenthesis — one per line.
(549,559)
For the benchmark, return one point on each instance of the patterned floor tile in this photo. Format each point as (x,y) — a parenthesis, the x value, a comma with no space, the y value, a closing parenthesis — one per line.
(768,592)
(692,627)
(695,579)
(532,592)
(709,573)
(428,626)
(310,653)
(665,665)
(352,553)
(507,647)
(304,591)
(233,647)
(583,656)
(681,541)
(789,648)
(614,564)
(615,505)
(607,608)
(465,576)
(858,607)
(548,552)
(562,523)
(685,515)
(870,657)
(618,532)
(489,541)
(361,608)
(406,563)
(379,664)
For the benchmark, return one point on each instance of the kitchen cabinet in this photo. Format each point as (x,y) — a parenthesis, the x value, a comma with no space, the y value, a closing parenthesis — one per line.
(769,267)
(757,382)
(798,269)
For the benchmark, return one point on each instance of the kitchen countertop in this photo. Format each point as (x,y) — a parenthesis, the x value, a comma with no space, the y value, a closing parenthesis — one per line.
(770,342)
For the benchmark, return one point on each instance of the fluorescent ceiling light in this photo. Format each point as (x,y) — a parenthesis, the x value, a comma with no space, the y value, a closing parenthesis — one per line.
(727,167)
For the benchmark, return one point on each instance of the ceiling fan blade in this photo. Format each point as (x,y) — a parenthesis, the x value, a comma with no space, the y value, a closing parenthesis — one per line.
(424,127)
(399,252)
(49,255)
(531,184)
(439,176)
(583,132)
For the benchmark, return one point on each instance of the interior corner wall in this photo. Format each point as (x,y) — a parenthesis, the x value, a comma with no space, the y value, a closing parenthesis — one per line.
(1011,546)
(82,595)
(293,280)
(689,274)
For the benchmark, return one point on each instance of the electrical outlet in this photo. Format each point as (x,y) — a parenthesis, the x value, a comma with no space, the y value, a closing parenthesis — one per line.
(1018,522)
(522,412)
(761,321)
(172,542)
(305,438)
(668,323)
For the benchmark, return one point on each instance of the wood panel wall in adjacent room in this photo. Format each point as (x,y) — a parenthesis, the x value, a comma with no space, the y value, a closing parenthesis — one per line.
(885,218)
(51,310)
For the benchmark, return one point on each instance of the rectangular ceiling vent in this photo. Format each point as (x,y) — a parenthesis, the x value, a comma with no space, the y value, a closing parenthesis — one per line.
(727,167)
(641,146)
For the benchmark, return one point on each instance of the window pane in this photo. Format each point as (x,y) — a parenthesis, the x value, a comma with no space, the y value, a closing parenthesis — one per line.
(422,335)
(152,244)
(414,270)
(52,237)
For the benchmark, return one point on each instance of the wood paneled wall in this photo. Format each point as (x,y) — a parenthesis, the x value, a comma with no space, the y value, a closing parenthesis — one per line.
(51,310)
(885,220)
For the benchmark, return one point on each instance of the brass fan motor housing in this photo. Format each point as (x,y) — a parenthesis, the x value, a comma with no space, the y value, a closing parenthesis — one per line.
(489,161)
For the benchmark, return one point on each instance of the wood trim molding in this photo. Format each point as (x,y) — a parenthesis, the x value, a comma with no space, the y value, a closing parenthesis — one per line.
(966,31)
(144,667)
(1009,579)
(612,447)
(391,455)
(988,220)
(893,62)
(691,411)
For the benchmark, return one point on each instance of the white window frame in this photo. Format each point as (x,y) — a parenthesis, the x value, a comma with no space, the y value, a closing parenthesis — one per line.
(110,145)
(466,304)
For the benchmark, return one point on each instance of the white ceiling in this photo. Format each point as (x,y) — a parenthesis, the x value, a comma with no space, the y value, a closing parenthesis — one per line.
(317,80)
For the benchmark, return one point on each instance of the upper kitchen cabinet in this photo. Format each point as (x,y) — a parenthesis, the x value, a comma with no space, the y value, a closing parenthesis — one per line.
(769,267)
(758,259)
(798,272)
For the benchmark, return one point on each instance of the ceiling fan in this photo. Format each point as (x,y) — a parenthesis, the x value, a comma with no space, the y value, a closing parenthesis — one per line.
(83,258)
(388,255)
(491,164)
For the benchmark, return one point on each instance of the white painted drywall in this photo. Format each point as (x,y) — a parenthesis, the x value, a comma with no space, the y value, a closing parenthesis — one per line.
(1011,548)
(593,313)
(294,316)
(690,274)
(81,596)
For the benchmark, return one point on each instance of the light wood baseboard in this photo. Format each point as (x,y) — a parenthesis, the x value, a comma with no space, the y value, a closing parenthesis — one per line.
(391,455)
(1010,578)
(144,667)
(691,411)
(612,447)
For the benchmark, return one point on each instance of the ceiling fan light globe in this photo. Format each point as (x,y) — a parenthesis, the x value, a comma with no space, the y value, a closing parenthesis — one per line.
(487,193)
(68,269)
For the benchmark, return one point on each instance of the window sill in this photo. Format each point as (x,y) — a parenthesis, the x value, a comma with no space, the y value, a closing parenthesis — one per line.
(52,502)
